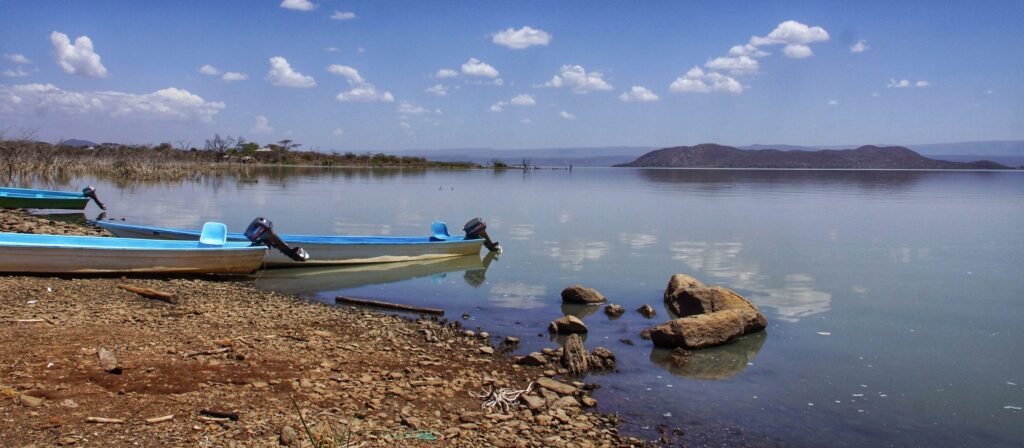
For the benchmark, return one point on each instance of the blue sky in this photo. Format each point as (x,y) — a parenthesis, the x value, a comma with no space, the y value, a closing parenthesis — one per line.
(367,79)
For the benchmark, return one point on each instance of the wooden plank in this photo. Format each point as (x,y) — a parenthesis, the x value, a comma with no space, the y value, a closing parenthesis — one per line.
(387,305)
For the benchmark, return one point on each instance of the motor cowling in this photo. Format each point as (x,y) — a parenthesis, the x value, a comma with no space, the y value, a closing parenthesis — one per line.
(477,228)
(90,193)
(261,232)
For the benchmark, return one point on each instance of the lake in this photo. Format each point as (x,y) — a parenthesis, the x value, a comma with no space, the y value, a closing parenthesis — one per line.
(894,298)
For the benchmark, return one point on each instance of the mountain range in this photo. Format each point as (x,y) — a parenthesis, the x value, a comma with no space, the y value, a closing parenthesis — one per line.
(710,155)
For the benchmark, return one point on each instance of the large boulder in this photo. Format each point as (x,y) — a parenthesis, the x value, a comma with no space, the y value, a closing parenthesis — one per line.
(567,325)
(709,315)
(581,295)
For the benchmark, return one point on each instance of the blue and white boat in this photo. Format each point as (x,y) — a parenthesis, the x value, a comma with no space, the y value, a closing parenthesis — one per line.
(47,199)
(337,250)
(208,253)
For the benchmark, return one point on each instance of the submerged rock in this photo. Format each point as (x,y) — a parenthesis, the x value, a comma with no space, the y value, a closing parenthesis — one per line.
(646,311)
(711,315)
(581,295)
(613,310)
(567,325)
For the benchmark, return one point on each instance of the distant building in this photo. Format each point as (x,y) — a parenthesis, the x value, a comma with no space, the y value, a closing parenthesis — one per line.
(264,149)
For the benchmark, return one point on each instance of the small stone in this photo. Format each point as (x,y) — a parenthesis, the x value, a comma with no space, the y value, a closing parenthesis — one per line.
(533,359)
(30,401)
(645,334)
(565,402)
(614,311)
(469,333)
(581,295)
(556,386)
(567,325)
(487,350)
(588,402)
(511,340)
(647,311)
(534,403)
(484,335)
(288,436)
(259,384)
(470,417)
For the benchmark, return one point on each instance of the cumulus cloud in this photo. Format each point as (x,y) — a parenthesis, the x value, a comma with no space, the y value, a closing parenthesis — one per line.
(234,76)
(298,5)
(437,89)
(349,73)
(638,94)
(365,93)
(332,49)
(340,15)
(577,79)
(696,80)
(78,58)
(566,115)
(797,51)
(170,104)
(499,106)
(747,50)
(791,32)
(524,37)
(17,58)
(904,83)
(476,67)
(208,69)
(833,103)
(338,132)
(262,126)
(281,74)
(739,65)
(860,47)
(408,108)
(405,125)
(446,73)
(523,100)
(17,72)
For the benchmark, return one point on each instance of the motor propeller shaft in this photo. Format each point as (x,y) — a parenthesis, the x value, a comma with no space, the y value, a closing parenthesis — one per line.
(261,231)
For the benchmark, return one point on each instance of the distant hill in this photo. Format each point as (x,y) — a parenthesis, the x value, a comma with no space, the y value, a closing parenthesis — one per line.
(865,157)
(579,156)
(78,143)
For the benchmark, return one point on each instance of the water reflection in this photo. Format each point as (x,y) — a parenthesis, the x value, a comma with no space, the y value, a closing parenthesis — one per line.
(795,299)
(477,277)
(721,180)
(579,310)
(518,295)
(573,254)
(521,232)
(714,363)
(638,240)
(313,280)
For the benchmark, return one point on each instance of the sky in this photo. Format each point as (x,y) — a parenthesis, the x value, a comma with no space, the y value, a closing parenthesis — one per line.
(338,75)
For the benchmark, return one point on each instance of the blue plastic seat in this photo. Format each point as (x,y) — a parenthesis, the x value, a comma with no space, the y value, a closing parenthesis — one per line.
(440,231)
(214,234)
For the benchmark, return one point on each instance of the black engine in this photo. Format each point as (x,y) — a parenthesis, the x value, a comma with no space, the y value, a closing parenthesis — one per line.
(261,232)
(477,228)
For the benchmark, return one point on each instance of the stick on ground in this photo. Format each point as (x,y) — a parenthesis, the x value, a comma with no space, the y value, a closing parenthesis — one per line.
(388,305)
(150,293)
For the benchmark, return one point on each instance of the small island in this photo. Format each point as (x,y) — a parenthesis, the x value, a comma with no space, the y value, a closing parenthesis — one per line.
(709,155)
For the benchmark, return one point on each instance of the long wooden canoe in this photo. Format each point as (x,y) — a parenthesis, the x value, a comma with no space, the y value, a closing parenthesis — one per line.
(330,250)
(47,199)
(60,254)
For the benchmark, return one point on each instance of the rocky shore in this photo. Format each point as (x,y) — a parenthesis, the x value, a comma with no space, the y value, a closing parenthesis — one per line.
(89,364)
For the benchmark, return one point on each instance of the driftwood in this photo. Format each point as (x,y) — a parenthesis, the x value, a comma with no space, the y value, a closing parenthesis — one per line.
(103,420)
(388,305)
(219,414)
(208,352)
(25,321)
(159,419)
(150,293)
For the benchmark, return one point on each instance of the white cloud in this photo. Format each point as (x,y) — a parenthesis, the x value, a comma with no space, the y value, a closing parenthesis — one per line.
(208,69)
(696,80)
(349,73)
(797,51)
(747,50)
(476,67)
(833,103)
(170,104)
(446,73)
(437,89)
(298,5)
(365,93)
(740,65)
(17,58)
(339,15)
(332,49)
(79,58)
(525,121)
(360,50)
(904,83)
(17,72)
(408,108)
(791,32)
(281,74)
(234,76)
(638,94)
(499,106)
(404,125)
(577,79)
(524,37)
(566,115)
(860,47)
(262,126)
(338,132)
(523,100)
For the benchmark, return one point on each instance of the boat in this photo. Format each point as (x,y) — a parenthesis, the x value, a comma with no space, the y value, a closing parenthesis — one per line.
(209,253)
(338,250)
(47,199)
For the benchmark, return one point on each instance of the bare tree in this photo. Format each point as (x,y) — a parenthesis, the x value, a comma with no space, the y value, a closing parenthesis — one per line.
(220,144)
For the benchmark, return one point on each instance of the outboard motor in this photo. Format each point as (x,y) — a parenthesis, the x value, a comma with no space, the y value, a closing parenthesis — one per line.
(261,231)
(90,193)
(477,228)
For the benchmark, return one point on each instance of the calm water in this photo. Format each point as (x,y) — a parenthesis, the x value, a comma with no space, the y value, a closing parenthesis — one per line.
(894,298)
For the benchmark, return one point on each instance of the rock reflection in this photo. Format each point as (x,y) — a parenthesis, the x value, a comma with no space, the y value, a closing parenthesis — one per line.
(518,295)
(579,310)
(715,363)
(795,299)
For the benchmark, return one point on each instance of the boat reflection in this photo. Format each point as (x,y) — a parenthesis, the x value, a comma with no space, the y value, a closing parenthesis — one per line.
(714,363)
(318,279)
